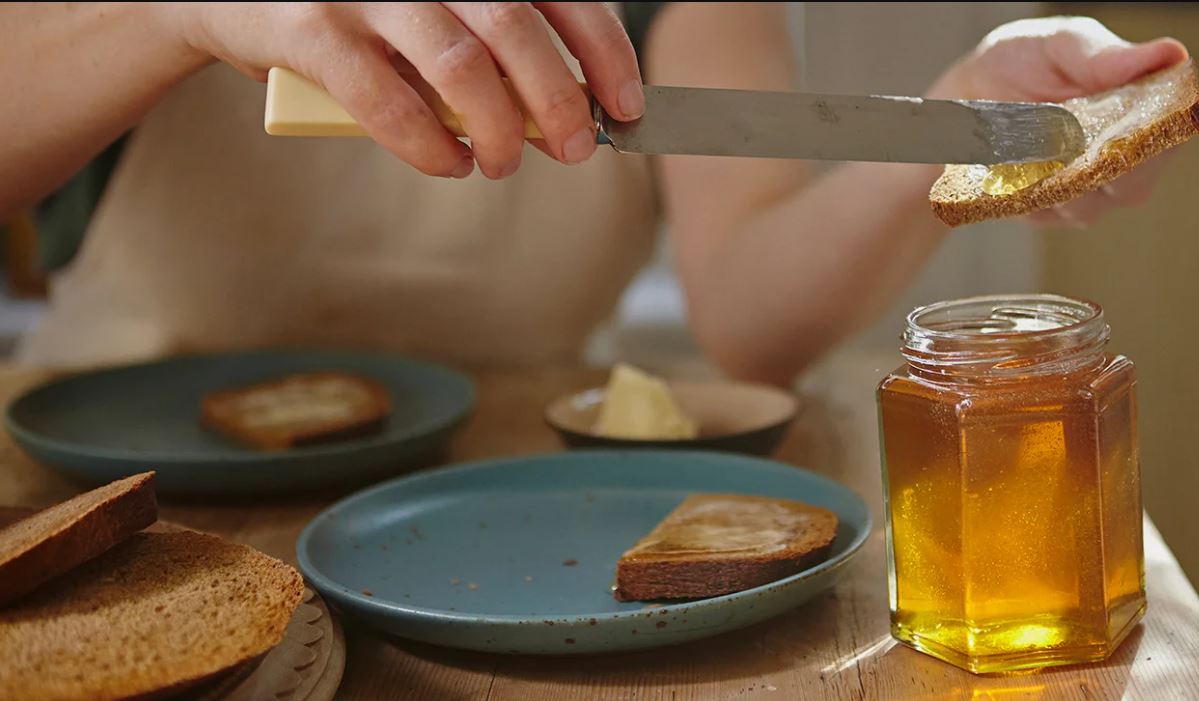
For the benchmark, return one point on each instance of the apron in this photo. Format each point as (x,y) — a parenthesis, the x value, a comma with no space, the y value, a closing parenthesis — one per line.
(213,236)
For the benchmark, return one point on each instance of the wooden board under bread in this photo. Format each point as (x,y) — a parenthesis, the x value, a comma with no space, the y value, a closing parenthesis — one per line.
(306,666)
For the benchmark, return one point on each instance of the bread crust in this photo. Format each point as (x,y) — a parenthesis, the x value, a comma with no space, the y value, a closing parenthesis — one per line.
(51,542)
(957,197)
(697,579)
(218,412)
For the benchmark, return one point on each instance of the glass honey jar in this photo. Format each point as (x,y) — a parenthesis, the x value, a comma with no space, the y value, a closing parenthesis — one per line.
(1012,485)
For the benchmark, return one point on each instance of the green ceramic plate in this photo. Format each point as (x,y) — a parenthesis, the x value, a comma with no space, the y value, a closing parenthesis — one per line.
(100,426)
(517,555)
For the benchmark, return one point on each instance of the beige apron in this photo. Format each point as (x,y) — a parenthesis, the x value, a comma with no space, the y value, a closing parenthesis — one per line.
(214,236)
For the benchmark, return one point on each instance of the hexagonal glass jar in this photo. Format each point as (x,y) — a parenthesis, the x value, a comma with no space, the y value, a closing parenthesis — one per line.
(1012,485)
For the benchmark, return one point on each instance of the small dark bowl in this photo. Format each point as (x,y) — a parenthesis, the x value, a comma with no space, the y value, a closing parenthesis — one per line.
(734,417)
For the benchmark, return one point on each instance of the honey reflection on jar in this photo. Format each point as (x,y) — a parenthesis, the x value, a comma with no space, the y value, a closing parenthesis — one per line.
(1012,485)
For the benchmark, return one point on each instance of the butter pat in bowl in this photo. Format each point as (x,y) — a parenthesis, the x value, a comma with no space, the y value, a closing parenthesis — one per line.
(638,410)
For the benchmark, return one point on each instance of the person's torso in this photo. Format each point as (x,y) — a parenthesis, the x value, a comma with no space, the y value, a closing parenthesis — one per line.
(214,236)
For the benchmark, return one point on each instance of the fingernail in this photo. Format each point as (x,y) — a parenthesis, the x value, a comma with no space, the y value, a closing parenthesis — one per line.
(508,169)
(1070,219)
(464,168)
(579,146)
(631,99)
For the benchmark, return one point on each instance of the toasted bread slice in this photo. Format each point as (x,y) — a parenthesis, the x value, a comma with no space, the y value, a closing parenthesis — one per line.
(159,612)
(715,544)
(300,409)
(40,547)
(11,514)
(1124,127)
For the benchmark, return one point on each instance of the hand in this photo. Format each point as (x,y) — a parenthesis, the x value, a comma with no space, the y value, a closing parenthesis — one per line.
(1054,59)
(359,51)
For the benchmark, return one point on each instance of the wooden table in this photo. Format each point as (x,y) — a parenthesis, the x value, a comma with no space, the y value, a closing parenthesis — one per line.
(836,647)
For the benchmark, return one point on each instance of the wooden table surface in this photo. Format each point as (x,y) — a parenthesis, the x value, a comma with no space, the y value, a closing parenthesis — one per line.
(835,647)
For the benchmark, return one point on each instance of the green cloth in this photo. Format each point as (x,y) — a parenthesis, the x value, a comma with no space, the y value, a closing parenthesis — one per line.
(638,17)
(62,218)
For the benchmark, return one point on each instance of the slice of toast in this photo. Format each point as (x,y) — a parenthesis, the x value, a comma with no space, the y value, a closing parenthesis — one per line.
(156,614)
(38,548)
(300,409)
(715,544)
(1124,127)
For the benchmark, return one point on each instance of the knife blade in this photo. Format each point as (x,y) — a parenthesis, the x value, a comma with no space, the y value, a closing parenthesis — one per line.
(709,122)
(712,122)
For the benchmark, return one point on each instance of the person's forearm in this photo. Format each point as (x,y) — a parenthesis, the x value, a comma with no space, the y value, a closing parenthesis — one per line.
(811,268)
(76,76)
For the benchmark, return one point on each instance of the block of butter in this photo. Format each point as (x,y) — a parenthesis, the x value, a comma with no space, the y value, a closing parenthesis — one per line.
(640,406)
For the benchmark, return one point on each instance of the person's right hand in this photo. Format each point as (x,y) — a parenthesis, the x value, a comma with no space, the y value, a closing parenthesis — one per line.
(461,49)
(1052,59)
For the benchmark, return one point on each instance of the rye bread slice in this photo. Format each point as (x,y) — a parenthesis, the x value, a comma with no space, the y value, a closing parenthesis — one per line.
(40,547)
(715,544)
(1124,127)
(299,409)
(156,614)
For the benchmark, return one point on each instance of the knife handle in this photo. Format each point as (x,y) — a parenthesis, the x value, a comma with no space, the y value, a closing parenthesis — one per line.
(297,107)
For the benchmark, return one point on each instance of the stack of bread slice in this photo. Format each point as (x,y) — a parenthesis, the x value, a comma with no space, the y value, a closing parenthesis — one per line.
(94,607)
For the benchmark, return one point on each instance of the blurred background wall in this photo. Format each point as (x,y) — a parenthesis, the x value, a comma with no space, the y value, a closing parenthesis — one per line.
(1142,265)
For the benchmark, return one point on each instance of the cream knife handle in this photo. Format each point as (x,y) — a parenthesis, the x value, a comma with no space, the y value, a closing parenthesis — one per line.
(297,107)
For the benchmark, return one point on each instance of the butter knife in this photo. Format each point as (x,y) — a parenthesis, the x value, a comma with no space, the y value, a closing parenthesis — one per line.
(744,123)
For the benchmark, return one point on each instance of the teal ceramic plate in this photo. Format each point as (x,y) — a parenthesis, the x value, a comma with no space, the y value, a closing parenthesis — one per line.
(517,555)
(100,426)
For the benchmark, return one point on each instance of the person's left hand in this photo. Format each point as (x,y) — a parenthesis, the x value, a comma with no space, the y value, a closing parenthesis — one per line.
(1054,59)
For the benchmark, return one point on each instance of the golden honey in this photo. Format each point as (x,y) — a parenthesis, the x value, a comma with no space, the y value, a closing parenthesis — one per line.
(1010,178)
(1012,485)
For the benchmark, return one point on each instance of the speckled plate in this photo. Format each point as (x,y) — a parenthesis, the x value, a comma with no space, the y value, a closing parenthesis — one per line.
(517,555)
(104,425)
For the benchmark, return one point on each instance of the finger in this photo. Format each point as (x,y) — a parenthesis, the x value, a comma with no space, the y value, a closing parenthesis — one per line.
(1137,184)
(1057,217)
(521,45)
(459,67)
(541,146)
(1118,65)
(394,115)
(1092,57)
(1131,189)
(1081,213)
(1083,31)
(1046,219)
(597,38)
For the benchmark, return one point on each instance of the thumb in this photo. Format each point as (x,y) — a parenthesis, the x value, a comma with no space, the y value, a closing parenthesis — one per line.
(1114,66)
